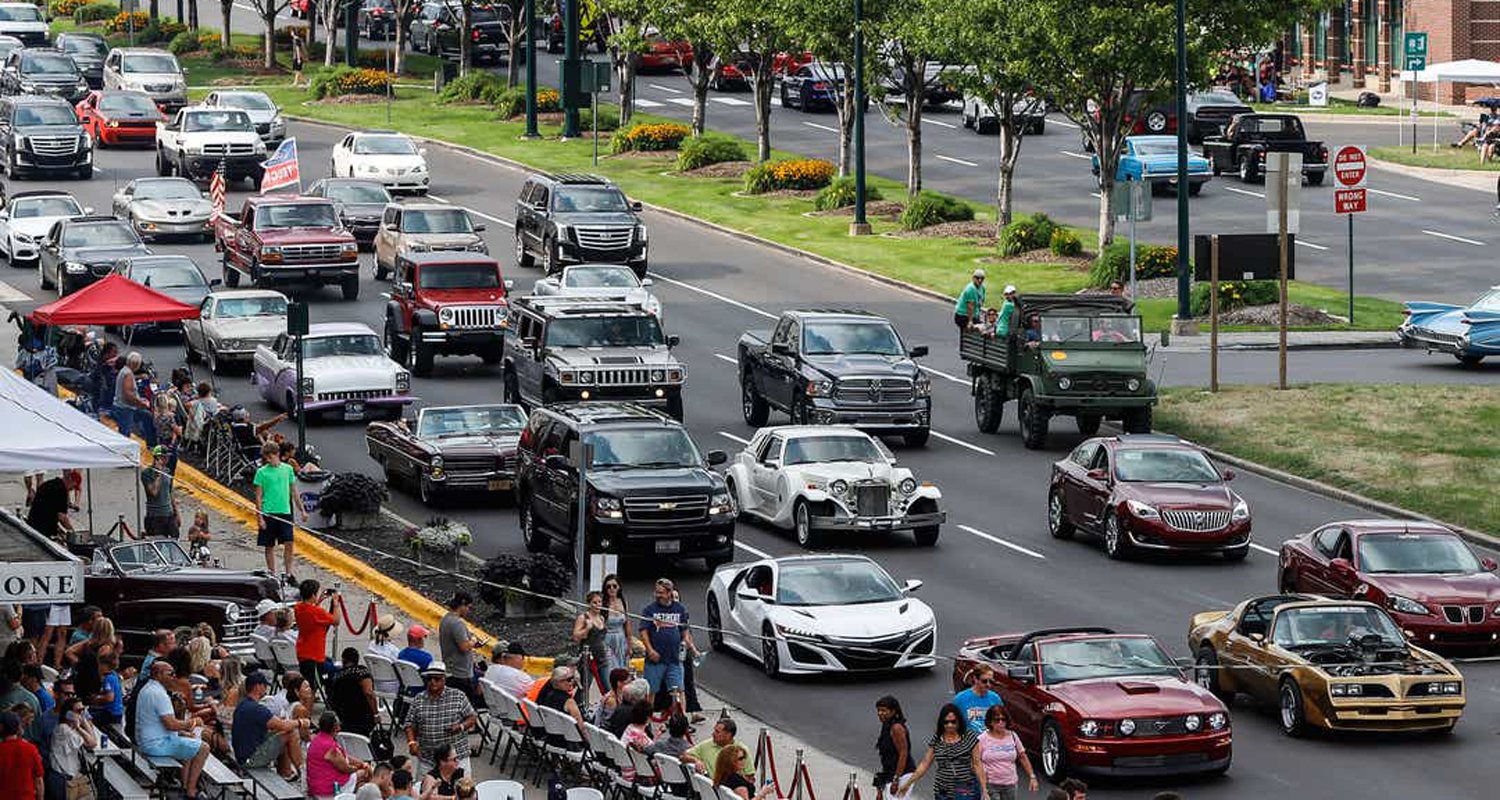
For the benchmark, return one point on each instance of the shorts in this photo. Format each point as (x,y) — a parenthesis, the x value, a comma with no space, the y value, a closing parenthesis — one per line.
(277,529)
(662,676)
(60,616)
(961,320)
(266,754)
(181,748)
(162,526)
(34,620)
(999,792)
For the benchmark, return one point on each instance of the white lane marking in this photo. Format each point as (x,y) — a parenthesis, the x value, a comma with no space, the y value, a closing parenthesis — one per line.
(942,374)
(997,540)
(825,128)
(1442,235)
(731,437)
(723,357)
(1394,194)
(939,122)
(507,223)
(755,551)
(644,103)
(671,89)
(730,101)
(717,296)
(1071,154)
(1238,190)
(956,160)
(961,443)
(1064,123)
(1264,549)
(680,101)
(1095,194)
(1310,244)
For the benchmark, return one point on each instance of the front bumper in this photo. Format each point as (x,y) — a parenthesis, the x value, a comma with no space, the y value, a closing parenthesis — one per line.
(1153,756)
(309,273)
(893,523)
(1154,534)
(23,253)
(127,135)
(28,160)
(912,416)
(1406,714)
(1434,631)
(1095,404)
(710,537)
(497,480)
(354,409)
(235,167)
(645,395)
(911,650)
(176,227)
(571,252)
(462,341)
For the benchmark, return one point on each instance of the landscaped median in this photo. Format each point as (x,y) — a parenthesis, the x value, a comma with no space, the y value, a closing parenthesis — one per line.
(1427,449)
(1336,106)
(1440,157)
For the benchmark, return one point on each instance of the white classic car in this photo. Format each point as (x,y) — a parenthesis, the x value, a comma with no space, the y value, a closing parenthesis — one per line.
(231,324)
(27,217)
(345,374)
(602,281)
(825,613)
(391,158)
(815,479)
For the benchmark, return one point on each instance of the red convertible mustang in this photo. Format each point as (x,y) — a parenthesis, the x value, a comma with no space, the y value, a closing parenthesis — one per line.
(1147,492)
(1089,700)
(1440,593)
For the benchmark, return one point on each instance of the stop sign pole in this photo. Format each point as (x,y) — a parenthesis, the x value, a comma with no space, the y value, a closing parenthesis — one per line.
(1350,170)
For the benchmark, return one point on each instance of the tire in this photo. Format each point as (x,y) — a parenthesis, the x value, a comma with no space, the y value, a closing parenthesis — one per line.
(770,656)
(231,275)
(1058,523)
(523,258)
(1248,170)
(418,356)
(211,358)
(549,258)
(395,347)
(807,537)
(380,270)
(1286,581)
(512,390)
(163,169)
(1314,179)
(1469,362)
(1291,714)
(191,355)
(41,276)
(1115,544)
(798,411)
(534,540)
(715,625)
(917,438)
(926,537)
(1234,554)
(349,285)
(84,173)
(1033,422)
(1206,673)
(967,120)
(1138,420)
(1194,189)
(674,407)
(989,408)
(128,334)
(1088,424)
(752,405)
(1156,122)
(1053,752)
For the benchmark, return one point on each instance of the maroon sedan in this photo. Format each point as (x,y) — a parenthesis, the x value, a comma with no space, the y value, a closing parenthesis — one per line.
(1091,701)
(1147,492)
(1434,586)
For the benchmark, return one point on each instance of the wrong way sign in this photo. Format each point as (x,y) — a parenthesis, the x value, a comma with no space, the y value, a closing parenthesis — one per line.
(1350,170)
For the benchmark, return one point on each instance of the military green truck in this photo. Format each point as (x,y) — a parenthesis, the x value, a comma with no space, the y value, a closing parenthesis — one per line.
(1067,355)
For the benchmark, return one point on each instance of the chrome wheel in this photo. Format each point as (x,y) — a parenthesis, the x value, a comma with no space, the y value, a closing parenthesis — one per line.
(1052,753)
(1057,517)
(803,521)
(1114,543)
(770,659)
(1291,708)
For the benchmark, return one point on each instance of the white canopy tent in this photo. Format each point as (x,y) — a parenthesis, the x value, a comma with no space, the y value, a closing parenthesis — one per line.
(1468,70)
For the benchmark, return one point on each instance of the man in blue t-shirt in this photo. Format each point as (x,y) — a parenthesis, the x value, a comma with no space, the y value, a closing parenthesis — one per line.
(974,701)
(260,738)
(158,731)
(663,632)
(416,653)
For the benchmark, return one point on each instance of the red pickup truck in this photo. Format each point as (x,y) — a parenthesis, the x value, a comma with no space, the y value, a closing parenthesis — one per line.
(448,302)
(277,240)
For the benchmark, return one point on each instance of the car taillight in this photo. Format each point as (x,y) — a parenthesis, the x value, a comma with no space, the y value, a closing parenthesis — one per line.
(475,35)
(820,86)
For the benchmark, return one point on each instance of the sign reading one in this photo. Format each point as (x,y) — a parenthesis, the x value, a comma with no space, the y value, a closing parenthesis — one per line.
(42,582)
(1349,174)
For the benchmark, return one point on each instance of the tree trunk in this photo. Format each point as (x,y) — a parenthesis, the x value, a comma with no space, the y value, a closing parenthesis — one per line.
(330,30)
(701,73)
(226,8)
(403,17)
(268,17)
(845,108)
(465,48)
(625,67)
(192,10)
(762,84)
(155,10)
(914,143)
(516,46)
(1006,179)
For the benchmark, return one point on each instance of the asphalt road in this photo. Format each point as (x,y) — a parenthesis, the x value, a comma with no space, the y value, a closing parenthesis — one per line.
(995,569)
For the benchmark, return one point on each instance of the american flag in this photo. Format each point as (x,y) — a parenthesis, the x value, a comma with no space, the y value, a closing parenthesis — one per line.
(216,194)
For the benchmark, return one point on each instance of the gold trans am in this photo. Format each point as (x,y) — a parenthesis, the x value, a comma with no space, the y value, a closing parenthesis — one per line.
(1337,664)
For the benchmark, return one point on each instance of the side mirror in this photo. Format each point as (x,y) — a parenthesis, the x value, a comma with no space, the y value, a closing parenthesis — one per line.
(911,585)
(1098,474)
(422,151)
(1021,674)
(918,351)
(781,348)
(1488,564)
(746,593)
(479,228)
(635,205)
(215,281)
(508,284)
(1228,474)
(673,340)
(717,457)
(88,209)
(1257,637)
(647,281)
(1342,566)
(557,462)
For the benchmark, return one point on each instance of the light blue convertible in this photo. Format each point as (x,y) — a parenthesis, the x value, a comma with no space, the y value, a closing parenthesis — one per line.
(1469,334)
(1154,159)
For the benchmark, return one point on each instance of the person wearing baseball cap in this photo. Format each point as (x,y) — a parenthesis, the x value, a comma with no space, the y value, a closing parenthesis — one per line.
(260,738)
(416,647)
(970,308)
(1007,312)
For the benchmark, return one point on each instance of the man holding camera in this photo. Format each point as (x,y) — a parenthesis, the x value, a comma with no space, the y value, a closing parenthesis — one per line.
(313,622)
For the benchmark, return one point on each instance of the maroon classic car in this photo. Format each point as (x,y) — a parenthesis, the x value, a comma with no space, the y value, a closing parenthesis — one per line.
(1147,492)
(1438,591)
(1091,701)
(450,449)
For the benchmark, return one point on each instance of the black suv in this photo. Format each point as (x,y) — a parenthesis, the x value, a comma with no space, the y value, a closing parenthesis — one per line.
(578,218)
(436,27)
(42,134)
(43,71)
(88,51)
(650,491)
(81,250)
(377,19)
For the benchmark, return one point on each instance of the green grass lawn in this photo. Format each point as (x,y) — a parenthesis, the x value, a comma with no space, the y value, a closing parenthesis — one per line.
(1337,105)
(1441,157)
(1419,447)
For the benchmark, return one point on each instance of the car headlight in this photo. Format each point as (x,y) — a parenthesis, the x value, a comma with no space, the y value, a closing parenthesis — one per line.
(372,169)
(720,504)
(307,387)
(74,266)
(1064,383)
(658,375)
(479,247)
(1346,689)
(1241,510)
(674,375)
(1127,727)
(1217,721)
(435,467)
(817,388)
(419,168)
(1452,687)
(1141,509)
(82,85)
(28,86)
(564,232)
(231,613)
(585,376)
(1133,385)
(792,630)
(403,381)
(922,385)
(908,486)
(1089,728)
(1405,605)
(277,122)
(642,234)
(24,238)
(839,487)
(258,147)
(608,508)
(567,376)
(1192,722)
(418,247)
(231,344)
(445,314)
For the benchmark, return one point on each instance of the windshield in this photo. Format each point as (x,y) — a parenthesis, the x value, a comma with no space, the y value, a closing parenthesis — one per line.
(1489,302)
(1164,465)
(20,14)
(650,447)
(251,307)
(357,193)
(459,276)
(478,420)
(99,234)
(148,63)
(168,276)
(128,102)
(642,331)
(44,207)
(834,583)
(172,189)
(822,449)
(1091,329)
(600,278)
(1416,553)
(1332,625)
(45,115)
(1217,97)
(226,120)
(384,146)
(589,198)
(84,46)
(828,338)
(485,14)
(1273,127)
(252,101)
(1080,659)
(295,215)
(1154,148)
(48,63)
(447,220)
(353,344)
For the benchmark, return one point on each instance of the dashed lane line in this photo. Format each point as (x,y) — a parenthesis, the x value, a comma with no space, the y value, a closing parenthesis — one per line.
(717,296)
(1238,190)
(940,122)
(755,551)
(1310,244)
(1064,123)
(644,103)
(961,443)
(731,437)
(997,540)
(1071,154)
(822,127)
(1442,235)
(1396,195)
(723,357)
(730,101)
(1266,550)
(671,89)
(942,374)
(956,160)
(680,101)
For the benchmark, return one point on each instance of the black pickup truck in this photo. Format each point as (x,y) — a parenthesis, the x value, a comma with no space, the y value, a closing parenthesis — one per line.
(1243,146)
(836,367)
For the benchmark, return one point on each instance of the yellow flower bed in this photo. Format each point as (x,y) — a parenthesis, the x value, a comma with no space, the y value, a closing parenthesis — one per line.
(795,173)
(65,8)
(122,21)
(650,137)
(547,101)
(363,81)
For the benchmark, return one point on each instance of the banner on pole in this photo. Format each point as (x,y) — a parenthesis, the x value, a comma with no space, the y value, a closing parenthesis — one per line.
(281,169)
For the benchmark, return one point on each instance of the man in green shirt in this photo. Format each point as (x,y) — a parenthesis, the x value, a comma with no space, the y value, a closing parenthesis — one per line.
(705,754)
(970,307)
(1007,312)
(275,511)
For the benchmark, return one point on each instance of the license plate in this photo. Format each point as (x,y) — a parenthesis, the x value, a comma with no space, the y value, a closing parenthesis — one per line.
(354,409)
(499,485)
(669,546)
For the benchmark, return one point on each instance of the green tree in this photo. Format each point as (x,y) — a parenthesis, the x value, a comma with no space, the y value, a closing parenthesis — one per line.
(626,21)
(749,34)
(406,11)
(267,10)
(912,61)
(687,21)
(827,31)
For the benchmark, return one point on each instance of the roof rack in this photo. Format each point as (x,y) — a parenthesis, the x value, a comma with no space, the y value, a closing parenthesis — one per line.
(597,413)
(577,177)
(856,312)
(563,304)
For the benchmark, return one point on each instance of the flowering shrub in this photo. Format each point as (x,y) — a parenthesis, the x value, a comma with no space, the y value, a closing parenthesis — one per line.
(184,43)
(65,8)
(349,80)
(1151,261)
(440,535)
(167,29)
(94,12)
(649,137)
(123,21)
(795,173)
(1232,295)
(1065,243)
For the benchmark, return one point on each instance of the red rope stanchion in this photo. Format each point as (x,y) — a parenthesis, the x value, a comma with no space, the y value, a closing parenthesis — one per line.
(366,624)
(765,754)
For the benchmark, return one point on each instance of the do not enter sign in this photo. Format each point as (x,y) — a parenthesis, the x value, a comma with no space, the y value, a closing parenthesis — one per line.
(1349,172)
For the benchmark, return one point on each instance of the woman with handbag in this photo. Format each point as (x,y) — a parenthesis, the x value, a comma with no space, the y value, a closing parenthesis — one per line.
(74,732)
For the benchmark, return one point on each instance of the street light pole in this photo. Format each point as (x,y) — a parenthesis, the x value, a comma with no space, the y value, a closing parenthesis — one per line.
(860,226)
(531,69)
(570,68)
(1184,307)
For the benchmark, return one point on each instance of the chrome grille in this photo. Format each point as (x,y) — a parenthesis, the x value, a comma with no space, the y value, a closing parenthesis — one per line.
(235,149)
(622,377)
(686,508)
(604,237)
(1195,520)
(1160,726)
(476,316)
(872,499)
(1436,336)
(157,87)
(236,636)
(53,145)
(355,394)
(873,391)
(1457,614)
(470,463)
(310,253)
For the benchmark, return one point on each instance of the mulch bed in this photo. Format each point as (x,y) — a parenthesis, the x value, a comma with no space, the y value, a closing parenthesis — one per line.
(984,232)
(723,169)
(885,209)
(1297,314)
(349,100)
(644,154)
(1080,262)
(799,194)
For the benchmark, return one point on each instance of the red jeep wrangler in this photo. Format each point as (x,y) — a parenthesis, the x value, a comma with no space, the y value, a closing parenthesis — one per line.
(449,302)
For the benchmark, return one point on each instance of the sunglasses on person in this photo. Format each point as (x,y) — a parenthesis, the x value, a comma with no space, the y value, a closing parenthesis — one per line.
(952,721)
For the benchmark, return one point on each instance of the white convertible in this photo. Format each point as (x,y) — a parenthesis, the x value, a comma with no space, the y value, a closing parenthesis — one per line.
(827,613)
(820,478)
(601,281)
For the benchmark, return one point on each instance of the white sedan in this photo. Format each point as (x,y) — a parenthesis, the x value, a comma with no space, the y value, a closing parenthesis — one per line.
(818,479)
(601,281)
(391,158)
(27,217)
(827,613)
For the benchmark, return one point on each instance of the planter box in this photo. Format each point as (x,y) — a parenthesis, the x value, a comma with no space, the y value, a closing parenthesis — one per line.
(521,606)
(350,520)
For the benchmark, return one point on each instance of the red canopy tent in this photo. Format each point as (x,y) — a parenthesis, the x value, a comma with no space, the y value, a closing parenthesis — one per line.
(114,300)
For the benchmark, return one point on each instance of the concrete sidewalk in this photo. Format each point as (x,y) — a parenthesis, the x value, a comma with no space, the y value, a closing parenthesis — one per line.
(1295,340)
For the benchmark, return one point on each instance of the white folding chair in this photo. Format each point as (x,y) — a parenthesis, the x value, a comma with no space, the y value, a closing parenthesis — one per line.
(620,754)
(704,786)
(500,790)
(676,781)
(358,746)
(345,796)
(264,654)
(410,676)
(601,759)
(285,655)
(507,715)
(536,736)
(585,793)
(646,782)
(383,672)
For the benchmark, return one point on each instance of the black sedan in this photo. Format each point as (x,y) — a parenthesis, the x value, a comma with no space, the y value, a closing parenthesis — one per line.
(1208,113)
(82,250)
(810,86)
(175,276)
(360,203)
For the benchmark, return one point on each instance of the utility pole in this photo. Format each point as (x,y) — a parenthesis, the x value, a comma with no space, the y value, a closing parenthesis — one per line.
(531,69)
(351,33)
(860,226)
(1184,288)
(570,68)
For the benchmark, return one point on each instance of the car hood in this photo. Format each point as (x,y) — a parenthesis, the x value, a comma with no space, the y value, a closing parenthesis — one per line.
(34,226)
(50,130)
(494,442)
(861,620)
(637,295)
(351,372)
(1478,587)
(96,255)
(847,470)
(263,328)
(1135,696)
(52,77)
(280,236)
(442,239)
(613,356)
(88,63)
(260,116)
(838,365)
(594,218)
(1207,496)
(363,209)
(24,27)
(169,209)
(191,295)
(625,483)
(150,77)
(463,296)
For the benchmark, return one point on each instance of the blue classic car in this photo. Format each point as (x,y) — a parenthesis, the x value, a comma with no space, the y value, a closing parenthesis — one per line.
(1154,159)
(1469,334)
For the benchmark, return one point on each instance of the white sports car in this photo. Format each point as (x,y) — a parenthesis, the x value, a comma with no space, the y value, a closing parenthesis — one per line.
(815,479)
(826,613)
(391,158)
(602,281)
(27,217)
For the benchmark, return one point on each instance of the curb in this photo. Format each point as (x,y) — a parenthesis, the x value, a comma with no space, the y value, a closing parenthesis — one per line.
(1272,347)
(1445,177)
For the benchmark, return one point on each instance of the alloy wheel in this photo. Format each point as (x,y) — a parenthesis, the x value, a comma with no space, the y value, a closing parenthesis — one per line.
(715,625)
(770,659)
(1054,513)
(804,525)
(1291,707)
(1051,750)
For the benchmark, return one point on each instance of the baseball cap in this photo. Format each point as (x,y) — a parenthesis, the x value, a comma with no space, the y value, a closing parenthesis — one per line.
(255,679)
(979,272)
(1010,288)
(417,631)
(265,607)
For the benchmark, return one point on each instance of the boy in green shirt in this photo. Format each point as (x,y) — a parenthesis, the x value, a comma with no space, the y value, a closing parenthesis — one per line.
(970,308)
(1007,312)
(274,484)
